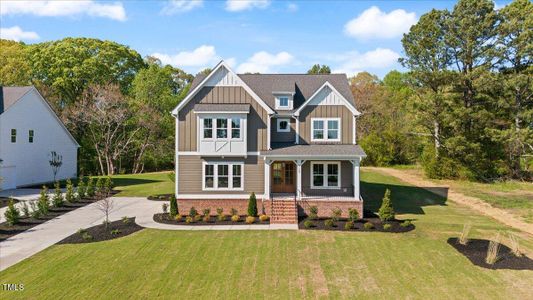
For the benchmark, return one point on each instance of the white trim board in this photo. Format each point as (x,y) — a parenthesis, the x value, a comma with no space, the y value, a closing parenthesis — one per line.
(334,90)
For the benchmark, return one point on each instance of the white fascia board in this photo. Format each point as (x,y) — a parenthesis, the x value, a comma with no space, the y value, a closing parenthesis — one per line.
(327,84)
(206,79)
(313,157)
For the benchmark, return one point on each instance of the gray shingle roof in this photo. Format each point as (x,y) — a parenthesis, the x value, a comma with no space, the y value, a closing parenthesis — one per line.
(10,94)
(316,150)
(222,107)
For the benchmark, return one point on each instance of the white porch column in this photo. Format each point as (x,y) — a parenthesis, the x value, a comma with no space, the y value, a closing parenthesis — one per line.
(299,164)
(266,195)
(356,189)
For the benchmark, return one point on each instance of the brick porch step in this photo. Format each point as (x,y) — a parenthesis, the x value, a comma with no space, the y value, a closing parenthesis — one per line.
(284,212)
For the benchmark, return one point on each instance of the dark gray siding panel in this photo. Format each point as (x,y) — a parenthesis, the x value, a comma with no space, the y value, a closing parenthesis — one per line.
(346,181)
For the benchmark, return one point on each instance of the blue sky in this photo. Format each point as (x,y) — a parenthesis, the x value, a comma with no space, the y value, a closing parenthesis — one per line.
(252,36)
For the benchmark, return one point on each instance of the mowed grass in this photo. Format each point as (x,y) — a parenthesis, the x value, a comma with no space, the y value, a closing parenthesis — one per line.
(282,264)
(143,185)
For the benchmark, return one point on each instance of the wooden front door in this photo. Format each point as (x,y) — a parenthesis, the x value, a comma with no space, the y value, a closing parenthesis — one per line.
(283,177)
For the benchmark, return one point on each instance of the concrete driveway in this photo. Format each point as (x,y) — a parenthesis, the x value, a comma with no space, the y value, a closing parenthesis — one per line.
(21,195)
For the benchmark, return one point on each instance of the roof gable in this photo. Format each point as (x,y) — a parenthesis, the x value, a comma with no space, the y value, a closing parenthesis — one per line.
(11,94)
(327,94)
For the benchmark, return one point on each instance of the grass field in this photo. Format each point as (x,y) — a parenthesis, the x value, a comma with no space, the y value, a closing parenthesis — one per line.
(281,264)
(143,185)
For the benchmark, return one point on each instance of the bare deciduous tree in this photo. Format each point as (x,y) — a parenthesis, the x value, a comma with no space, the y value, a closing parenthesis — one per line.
(105,205)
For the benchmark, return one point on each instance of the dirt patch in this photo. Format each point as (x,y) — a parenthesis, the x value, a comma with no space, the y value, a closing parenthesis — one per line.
(320,224)
(165,219)
(100,233)
(476,251)
(5,201)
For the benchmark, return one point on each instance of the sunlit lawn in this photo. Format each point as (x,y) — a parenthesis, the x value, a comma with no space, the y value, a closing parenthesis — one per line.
(280,264)
(143,185)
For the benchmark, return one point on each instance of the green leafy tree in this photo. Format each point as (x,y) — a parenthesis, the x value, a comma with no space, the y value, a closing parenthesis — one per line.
(319,69)
(173,207)
(12,214)
(386,211)
(14,67)
(57,199)
(43,204)
(252,205)
(69,195)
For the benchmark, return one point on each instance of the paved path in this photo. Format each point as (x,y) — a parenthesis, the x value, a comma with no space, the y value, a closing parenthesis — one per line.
(477,204)
(38,238)
(23,195)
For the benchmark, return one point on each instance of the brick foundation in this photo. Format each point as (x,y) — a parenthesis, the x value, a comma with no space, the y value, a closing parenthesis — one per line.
(326,206)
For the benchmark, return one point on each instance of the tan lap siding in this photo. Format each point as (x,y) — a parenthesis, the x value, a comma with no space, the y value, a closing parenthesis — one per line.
(190,174)
(326,111)
(188,136)
(346,181)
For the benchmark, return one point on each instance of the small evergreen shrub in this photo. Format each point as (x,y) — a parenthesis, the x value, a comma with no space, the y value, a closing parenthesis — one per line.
(349,225)
(90,192)
(368,225)
(386,211)
(173,206)
(178,218)
(115,232)
(308,224)
(250,220)
(329,223)
(25,210)
(405,224)
(82,189)
(57,199)
(70,197)
(207,212)
(189,219)
(220,214)
(99,188)
(263,218)
(108,185)
(164,207)
(353,214)
(252,205)
(233,211)
(86,236)
(197,218)
(43,203)
(81,231)
(125,220)
(387,227)
(313,212)
(193,212)
(235,218)
(12,214)
(336,214)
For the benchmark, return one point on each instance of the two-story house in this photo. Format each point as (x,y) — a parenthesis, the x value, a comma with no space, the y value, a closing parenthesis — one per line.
(289,138)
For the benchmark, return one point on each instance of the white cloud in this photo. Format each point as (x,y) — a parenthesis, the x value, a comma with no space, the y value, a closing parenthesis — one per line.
(374,23)
(179,6)
(263,62)
(499,6)
(354,62)
(203,56)
(240,5)
(114,11)
(292,7)
(16,33)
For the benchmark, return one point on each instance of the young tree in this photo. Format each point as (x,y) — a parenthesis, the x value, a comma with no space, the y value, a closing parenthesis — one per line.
(386,211)
(82,188)
(43,204)
(105,206)
(56,161)
(12,214)
(57,199)
(252,205)
(173,207)
(70,197)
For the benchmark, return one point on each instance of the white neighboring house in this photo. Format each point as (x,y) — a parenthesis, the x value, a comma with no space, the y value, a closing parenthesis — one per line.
(29,132)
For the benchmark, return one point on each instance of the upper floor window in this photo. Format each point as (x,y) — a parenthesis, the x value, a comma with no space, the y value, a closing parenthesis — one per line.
(235,128)
(221,128)
(13,135)
(30,136)
(325,129)
(208,128)
(283,102)
(223,176)
(283,125)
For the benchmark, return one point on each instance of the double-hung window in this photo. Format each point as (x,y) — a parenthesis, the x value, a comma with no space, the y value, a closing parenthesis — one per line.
(31,134)
(223,176)
(221,128)
(13,135)
(325,175)
(325,129)
(235,128)
(208,128)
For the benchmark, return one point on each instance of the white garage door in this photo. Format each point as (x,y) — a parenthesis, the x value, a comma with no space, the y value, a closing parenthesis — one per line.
(9,177)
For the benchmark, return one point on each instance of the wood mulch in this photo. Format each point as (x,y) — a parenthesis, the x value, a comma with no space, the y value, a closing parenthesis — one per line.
(476,251)
(319,224)
(165,219)
(98,233)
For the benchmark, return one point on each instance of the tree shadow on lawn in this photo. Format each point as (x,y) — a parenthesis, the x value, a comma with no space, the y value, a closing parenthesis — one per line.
(122,182)
(405,199)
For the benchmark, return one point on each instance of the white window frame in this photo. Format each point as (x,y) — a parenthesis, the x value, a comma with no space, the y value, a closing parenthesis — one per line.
(325,129)
(229,128)
(279,120)
(325,180)
(289,102)
(230,176)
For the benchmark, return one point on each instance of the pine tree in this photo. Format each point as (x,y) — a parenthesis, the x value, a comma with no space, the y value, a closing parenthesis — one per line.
(43,204)
(57,200)
(386,211)
(69,195)
(173,207)
(252,206)
(12,214)
(82,189)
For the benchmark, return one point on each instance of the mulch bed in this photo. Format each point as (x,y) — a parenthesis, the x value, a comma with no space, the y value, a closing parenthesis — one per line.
(5,201)
(165,219)
(319,224)
(161,197)
(476,251)
(24,224)
(98,233)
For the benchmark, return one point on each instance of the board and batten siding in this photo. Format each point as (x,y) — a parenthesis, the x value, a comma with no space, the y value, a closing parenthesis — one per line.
(346,181)
(257,118)
(283,137)
(190,177)
(326,111)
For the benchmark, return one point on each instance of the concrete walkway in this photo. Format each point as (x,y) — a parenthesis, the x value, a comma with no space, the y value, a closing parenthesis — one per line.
(23,195)
(38,238)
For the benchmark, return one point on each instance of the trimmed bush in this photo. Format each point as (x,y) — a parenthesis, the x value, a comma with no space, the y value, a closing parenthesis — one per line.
(233,211)
(206,218)
(349,225)
(336,214)
(405,223)
(207,212)
(69,195)
(108,185)
(43,203)
(235,218)
(193,212)
(250,220)
(197,218)
(57,199)
(86,236)
(368,226)
(263,218)
(189,219)
(164,207)
(173,207)
(115,232)
(90,188)
(81,191)
(308,224)
(99,189)
(386,211)
(329,223)
(220,214)
(353,214)
(313,212)
(252,205)
(387,227)
(12,214)
(178,218)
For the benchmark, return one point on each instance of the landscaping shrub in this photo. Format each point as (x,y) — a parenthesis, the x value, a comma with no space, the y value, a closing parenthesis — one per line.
(263,218)
(81,231)
(313,212)
(250,220)
(463,239)
(178,218)
(44,202)
(368,225)
(197,218)
(193,212)
(220,214)
(252,205)
(25,210)
(329,223)
(492,251)
(57,199)
(206,218)
(82,188)
(173,206)
(115,232)
(125,220)
(387,227)
(189,220)
(349,225)
(233,211)
(386,211)
(12,214)
(69,195)
(235,218)
(336,214)
(164,207)
(406,223)
(207,212)
(99,189)
(86,236)
(353,214)
(108,185)
(515,246)
(90,188)
(308,224)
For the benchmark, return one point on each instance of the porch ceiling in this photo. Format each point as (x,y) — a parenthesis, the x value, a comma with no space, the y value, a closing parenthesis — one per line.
(316,151)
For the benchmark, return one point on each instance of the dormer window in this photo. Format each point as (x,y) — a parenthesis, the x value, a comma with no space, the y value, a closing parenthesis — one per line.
(284,101)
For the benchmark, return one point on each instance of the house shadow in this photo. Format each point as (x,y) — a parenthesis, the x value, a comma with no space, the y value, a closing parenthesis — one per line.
(405,199)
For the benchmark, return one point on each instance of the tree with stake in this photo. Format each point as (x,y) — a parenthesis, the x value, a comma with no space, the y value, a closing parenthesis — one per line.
(386,211)
(56,161)
(252,206)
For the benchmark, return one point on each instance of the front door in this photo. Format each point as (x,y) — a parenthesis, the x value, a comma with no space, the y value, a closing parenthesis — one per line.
(283,177)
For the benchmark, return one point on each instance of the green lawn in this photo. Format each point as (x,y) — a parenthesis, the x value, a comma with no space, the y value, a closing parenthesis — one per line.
(282,264)
(143,185)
